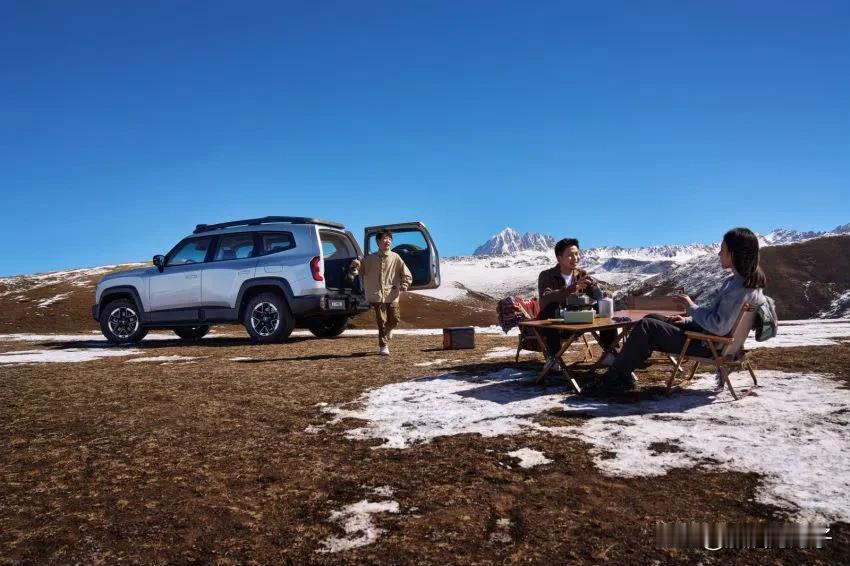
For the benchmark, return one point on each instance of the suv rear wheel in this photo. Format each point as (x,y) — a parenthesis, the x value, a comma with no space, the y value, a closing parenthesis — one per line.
(329,327)
(192,332)
(120,322)
(267,319)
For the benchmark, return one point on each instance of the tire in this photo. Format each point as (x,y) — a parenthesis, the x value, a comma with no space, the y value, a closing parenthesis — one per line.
(330,327)
(192,332)
(121,323)
(267,319)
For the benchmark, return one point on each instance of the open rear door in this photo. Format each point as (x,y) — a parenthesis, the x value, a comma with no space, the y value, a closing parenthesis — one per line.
(414,244)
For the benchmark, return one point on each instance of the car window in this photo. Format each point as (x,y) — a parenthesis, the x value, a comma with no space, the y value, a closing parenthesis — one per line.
(274,242)
(336,246)
(190,251)
(234,246)
(409,241)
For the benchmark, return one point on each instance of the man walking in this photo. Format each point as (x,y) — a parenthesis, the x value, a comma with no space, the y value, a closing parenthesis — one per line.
(385,276)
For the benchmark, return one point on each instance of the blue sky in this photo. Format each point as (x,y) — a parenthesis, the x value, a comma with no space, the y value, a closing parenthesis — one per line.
(125,124)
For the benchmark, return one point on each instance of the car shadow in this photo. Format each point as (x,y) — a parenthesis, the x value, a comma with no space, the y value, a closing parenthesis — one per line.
(207,342)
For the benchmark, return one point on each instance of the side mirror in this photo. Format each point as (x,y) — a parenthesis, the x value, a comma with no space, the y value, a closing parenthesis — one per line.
(159,262)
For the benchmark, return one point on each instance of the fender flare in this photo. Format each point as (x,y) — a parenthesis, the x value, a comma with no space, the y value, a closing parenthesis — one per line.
(122,290)
(278,282)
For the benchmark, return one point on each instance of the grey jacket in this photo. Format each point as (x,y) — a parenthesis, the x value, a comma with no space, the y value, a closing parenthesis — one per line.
(719,316)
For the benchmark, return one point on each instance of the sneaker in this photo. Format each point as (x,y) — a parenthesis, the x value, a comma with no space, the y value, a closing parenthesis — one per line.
(608,359)
(384,351)
(719,382)
(550,363)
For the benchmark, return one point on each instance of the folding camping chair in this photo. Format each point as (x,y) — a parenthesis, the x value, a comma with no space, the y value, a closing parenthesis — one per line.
(730,355)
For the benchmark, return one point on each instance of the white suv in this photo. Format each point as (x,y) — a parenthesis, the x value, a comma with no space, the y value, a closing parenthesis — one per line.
(270,274)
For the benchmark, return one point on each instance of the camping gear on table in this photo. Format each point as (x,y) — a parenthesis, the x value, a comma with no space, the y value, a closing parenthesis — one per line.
(459,338)
(580,302)
(574,317)
(606,307)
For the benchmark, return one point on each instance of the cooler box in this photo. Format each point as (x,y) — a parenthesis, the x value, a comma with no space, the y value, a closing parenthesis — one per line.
(458,338)
(575,317)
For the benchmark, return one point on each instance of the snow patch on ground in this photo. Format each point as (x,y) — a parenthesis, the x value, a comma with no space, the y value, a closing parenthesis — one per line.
(64,356)
(170,359)
(528,458)
(432,363)
(49,301)
(356,521)
(500,352)
(501,533)
(793,432)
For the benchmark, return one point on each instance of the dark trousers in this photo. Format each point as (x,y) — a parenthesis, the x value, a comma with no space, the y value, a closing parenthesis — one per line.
(655,334)
(553,337)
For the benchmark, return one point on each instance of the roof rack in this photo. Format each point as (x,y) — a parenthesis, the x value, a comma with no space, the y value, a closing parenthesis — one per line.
(266,220)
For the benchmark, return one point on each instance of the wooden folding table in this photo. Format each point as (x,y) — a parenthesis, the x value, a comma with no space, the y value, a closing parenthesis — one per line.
(577,330)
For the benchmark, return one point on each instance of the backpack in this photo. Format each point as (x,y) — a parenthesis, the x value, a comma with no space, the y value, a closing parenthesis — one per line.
(766,320)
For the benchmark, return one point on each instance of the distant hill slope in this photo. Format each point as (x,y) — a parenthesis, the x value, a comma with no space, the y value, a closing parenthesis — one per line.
(806,279)
(61,302)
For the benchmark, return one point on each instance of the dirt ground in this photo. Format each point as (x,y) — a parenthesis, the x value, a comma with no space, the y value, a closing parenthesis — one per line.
(210,462)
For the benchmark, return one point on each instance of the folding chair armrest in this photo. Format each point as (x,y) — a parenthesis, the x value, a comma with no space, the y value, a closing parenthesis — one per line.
(711,337)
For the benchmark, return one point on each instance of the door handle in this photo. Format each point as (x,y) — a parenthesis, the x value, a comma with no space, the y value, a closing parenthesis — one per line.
(245,272)
(192,276)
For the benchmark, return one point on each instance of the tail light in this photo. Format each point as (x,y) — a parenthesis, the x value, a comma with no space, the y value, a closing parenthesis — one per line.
(316,268)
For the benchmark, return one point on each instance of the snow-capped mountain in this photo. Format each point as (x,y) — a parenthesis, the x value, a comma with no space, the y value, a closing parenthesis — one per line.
(787,236)
(509,242)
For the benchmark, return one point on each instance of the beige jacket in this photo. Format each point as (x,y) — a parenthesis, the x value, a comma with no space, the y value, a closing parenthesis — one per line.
(385,276)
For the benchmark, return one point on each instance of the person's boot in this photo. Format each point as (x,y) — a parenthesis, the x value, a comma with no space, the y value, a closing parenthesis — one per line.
(611,382)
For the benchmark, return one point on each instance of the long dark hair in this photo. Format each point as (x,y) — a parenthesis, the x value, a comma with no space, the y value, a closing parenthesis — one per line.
(743,244)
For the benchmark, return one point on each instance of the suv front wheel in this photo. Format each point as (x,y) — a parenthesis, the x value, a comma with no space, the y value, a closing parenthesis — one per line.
(267,319)
(120,322)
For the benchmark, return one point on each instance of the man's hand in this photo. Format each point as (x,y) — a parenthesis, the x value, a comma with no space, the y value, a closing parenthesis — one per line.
(581,282)
(676,319)
(685,301)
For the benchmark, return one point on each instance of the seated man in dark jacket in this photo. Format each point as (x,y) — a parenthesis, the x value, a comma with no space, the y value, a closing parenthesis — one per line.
(556,284)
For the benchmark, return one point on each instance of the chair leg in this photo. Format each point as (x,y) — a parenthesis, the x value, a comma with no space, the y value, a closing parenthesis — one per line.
(721,367)
(518,347)
(725,374)
(678,365)
(693,371)
(752,373)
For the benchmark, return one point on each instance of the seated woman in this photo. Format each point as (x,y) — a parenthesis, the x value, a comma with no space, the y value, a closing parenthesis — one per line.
(738,252)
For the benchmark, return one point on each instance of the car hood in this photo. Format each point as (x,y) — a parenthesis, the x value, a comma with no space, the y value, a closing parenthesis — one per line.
(129,273)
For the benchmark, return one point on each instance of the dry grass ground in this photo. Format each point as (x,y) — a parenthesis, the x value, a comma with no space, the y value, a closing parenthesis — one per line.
(209,462)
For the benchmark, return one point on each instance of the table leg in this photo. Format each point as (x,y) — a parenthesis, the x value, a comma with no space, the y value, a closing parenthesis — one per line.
(558,356)
(541,341)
